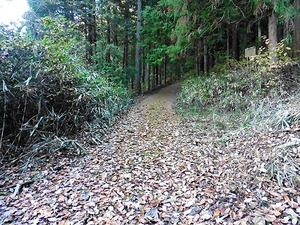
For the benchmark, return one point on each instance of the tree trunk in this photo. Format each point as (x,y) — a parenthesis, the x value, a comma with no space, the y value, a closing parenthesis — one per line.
(108,34)
(228,40)
(156,76)
(273,37)
(138,49)
(153,77)
(126,52)
(297,31)
(280,31)
(115,34)
(199,58)
(211,57)
(91,30)
(165,69)
(126,39)
(143,67)
(286,28)
(259,34)
(159,74)
(235,42)
(148,77)
(206,63)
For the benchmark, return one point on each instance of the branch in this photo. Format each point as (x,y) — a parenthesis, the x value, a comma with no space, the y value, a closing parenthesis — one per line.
(19,187)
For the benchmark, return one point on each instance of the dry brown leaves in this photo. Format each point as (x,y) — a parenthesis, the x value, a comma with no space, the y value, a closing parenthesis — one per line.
(154,168)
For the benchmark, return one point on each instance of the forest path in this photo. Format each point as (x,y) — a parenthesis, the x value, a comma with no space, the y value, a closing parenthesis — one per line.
(155,168)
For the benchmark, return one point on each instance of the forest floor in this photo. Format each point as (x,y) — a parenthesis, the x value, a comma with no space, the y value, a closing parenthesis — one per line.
(157,168)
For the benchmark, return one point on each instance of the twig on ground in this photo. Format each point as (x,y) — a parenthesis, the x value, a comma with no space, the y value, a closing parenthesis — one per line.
(19,187)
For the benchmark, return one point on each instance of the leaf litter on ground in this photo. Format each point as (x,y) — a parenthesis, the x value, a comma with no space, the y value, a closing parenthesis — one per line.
(156,168)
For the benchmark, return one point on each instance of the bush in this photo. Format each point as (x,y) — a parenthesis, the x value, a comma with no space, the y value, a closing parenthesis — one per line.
(225,92)
(47,90)
(234,87)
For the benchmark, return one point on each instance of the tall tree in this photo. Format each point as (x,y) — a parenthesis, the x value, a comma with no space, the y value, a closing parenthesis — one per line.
(275,10)
(297,29)
(273,41)
(52,8)
(171,37)
(138,48)
(89,18)
(82,12)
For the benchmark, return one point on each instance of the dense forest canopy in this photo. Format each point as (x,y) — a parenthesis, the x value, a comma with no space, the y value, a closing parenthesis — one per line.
(174,35)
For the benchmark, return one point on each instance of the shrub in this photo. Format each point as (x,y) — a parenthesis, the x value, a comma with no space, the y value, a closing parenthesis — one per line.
(47,90)
(233,87)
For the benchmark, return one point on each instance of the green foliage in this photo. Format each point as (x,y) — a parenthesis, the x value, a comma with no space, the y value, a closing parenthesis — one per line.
(43,8)
(232,86)
(283,8)
(157,23)
(190,25)
(226,92)
(111,69)
(115,40)
(47,90)
(63,44)
(281,52)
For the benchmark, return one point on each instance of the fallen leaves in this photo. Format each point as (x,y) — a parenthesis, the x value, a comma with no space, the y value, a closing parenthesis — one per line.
(152,215)
(156,168)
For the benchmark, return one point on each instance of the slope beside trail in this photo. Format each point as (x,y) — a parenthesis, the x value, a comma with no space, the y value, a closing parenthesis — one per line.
(155,168)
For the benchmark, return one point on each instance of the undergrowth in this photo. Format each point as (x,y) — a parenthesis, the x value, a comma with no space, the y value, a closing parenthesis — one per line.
(48,93)
(240,97)
(235,88)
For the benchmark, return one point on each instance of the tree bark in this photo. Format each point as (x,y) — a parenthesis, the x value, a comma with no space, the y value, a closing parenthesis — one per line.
(108,34)
(153,78)
(273,37)
(159,74)
(115,34)
(143,67)
(297,31)
(235,42)
(126,39)
(165,69)
(206,62)
(199,57)
(91,33)
(148,76)
(211,57)
(138,49)
(259,34)
(228,40)
(156,76)
(126,51)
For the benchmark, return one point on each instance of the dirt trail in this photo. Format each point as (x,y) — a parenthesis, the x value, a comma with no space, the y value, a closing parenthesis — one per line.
(165,97)
(153,168)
